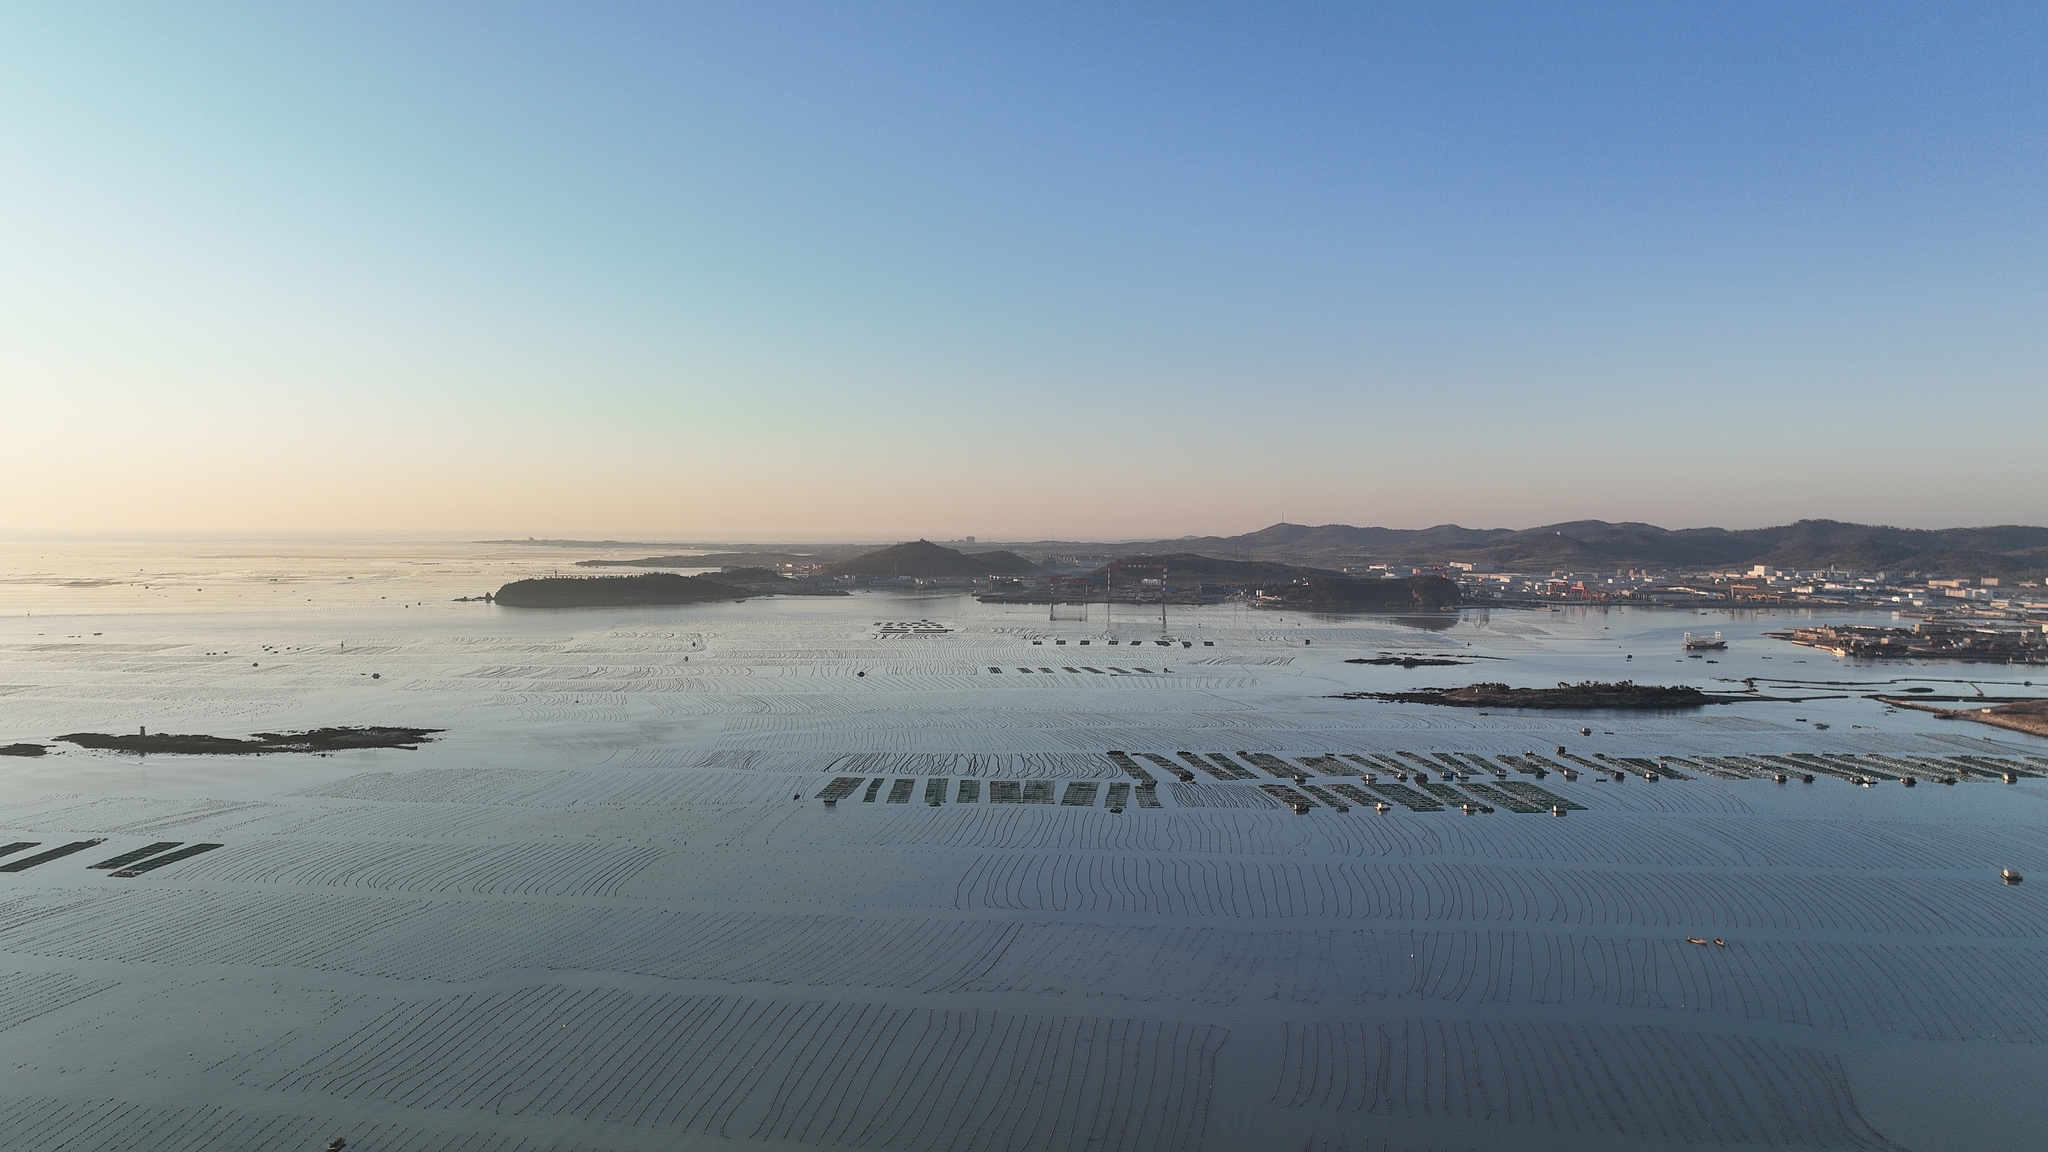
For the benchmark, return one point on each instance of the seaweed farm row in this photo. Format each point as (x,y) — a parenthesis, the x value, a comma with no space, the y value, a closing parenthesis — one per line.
(790,1070)
(1116,795)
(1105,670)
(1726,1090)
(1461,765)
(126,866)
(1588,896)
(1490,933)
(1417,782)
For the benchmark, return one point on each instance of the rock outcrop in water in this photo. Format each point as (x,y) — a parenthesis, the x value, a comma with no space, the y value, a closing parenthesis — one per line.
(313,740)
(1584,695)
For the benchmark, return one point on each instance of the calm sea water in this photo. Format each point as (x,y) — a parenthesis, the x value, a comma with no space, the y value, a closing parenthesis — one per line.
(594,913)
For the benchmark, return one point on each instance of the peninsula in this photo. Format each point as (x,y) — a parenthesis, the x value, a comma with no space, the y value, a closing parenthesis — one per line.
(2029,716)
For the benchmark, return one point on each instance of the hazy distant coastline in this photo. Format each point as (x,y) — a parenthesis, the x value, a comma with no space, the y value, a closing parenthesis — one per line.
(2001,550)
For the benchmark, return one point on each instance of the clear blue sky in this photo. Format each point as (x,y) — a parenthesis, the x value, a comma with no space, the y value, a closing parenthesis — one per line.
(1020,270)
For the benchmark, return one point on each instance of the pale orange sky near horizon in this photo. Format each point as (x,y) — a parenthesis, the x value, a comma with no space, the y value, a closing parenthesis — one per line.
(173,476)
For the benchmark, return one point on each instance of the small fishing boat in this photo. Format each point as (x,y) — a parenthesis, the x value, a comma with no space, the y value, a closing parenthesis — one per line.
(1696,940)
(2010,876)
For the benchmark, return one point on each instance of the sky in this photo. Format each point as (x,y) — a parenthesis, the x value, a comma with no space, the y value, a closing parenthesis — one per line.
(1021,271)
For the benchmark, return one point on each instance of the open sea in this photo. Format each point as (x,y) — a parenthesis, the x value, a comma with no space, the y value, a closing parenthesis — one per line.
(608,909)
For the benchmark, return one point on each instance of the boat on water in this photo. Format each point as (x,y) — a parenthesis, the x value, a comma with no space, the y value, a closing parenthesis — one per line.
(1704,643)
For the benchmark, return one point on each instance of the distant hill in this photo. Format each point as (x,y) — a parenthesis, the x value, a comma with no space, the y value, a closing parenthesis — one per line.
(924,558)
(2005,550)
(650,588)
(1187,567)
(1336,544)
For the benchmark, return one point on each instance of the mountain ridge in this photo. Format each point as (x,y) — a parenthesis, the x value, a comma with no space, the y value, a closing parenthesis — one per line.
(922,558)
(1995,550)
